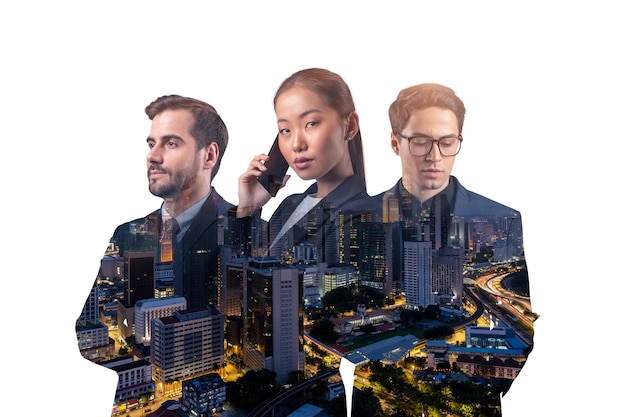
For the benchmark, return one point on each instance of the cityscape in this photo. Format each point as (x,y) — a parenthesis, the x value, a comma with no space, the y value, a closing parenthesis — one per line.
(443,298)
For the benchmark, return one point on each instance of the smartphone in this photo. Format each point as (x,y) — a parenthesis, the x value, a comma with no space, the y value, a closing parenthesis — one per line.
(277,167)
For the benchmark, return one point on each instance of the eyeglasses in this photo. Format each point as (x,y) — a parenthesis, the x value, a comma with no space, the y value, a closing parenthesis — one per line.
(421,145)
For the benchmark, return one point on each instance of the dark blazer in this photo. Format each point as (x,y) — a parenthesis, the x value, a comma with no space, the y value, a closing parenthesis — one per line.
(196,257)
(456,201)
(349,198)
(465,203)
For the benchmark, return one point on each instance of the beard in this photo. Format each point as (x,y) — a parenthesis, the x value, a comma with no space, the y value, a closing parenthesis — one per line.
(178,182)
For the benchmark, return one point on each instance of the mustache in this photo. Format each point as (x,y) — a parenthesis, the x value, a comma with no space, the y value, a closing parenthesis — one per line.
(156,167)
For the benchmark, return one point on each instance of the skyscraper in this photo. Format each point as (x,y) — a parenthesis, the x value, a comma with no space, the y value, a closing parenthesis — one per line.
(186,344)
(448,275)
(418,274)
(148,310)
(274,321)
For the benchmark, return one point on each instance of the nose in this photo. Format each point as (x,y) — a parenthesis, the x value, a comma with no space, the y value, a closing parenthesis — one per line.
(435,153)
(298,141)
(154,155)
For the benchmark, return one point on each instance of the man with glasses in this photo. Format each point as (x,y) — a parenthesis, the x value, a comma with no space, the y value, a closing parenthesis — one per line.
(426,122)
(438,228)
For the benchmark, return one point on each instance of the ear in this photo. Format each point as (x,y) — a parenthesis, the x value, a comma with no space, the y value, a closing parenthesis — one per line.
(210,153)
(395,144)
(352,126)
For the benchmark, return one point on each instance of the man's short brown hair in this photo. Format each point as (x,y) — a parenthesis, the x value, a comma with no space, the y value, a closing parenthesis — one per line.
(423,96)
(208,126)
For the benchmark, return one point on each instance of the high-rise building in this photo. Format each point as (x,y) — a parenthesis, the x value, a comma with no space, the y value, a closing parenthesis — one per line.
(448,275)
(274,321)
(197,267)
(393,256)
(148,310)
(138,276)
(186,344)
(233,306)
(372,256)
(339,276)
(418,274)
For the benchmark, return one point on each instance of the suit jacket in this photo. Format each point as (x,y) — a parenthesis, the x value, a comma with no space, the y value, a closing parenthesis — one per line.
(349,198)
(454,202)
(462,202)
(195,257)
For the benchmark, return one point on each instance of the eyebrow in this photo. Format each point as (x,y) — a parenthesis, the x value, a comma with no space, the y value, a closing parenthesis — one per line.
(302,115)
(165,138)
(420,134)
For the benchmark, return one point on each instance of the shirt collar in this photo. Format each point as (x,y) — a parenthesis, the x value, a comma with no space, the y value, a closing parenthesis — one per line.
(410,204)
(185,218)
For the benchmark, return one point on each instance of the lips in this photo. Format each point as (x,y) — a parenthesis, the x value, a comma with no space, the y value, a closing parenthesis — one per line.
(432,172)
(154,172)
(302,163)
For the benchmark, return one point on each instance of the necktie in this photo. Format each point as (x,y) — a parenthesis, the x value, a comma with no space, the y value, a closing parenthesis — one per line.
(169,232)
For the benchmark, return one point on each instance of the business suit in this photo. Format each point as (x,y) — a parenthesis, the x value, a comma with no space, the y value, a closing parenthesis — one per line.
(196,255)
(462,201)
(445,220)
(349,197)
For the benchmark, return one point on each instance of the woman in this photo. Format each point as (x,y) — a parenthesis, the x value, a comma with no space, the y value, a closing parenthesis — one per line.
(319,137)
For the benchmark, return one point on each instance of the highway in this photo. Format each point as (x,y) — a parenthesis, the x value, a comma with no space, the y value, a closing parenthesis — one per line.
(266,406)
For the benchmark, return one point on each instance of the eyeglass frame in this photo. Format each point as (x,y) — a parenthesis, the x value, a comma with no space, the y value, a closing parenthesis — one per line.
(432,140)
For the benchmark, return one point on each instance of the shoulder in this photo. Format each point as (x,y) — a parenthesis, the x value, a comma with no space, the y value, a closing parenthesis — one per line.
(469,203)
(216,200)
(147,222)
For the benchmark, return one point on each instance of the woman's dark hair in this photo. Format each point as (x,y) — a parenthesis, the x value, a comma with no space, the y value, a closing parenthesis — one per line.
(335,93)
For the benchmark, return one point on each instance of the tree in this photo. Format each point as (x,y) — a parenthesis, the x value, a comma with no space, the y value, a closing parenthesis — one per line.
(364,404)
(324,330)
(438,332)
(432,311)
(251,389)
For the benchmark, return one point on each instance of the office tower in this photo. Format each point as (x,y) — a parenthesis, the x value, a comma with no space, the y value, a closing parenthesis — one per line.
(138,276)
(186,344)
(197,266)
(138,285)
(274,326)
(418,274)
(339,276)
(204,396)
(93,335)
(448,275)
(372,256)
(233,306)
(390,209)
(163,261)
(153,308)
(228,254)
(393,256)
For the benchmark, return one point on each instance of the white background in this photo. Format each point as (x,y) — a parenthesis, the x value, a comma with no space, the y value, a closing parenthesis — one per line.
(544,90)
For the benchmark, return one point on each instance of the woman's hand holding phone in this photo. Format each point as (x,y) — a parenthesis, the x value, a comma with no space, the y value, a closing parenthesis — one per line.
(252,194)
